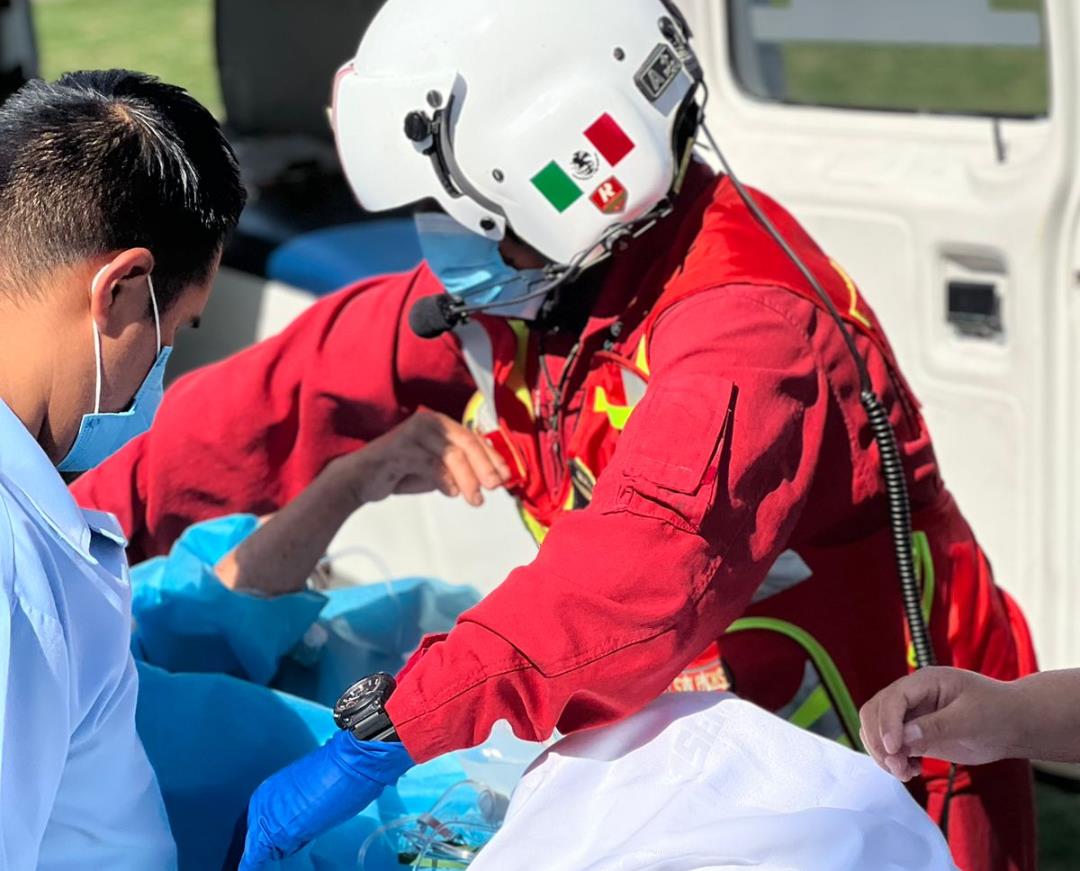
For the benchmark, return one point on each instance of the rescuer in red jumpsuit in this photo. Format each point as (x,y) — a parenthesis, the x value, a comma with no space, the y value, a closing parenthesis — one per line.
(682,420)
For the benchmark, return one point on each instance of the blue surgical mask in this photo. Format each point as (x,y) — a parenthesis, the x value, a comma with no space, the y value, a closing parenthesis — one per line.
(470,266)
(101,434)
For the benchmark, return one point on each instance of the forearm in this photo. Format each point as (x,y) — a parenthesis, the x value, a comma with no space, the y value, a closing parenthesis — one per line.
(280,556)
(1047,716)
(684,523)
(589,633)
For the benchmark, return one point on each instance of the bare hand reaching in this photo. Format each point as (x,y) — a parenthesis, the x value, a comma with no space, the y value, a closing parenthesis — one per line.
(964,717)
(427,452)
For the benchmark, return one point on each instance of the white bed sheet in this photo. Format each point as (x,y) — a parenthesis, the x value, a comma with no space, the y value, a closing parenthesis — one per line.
(708,781)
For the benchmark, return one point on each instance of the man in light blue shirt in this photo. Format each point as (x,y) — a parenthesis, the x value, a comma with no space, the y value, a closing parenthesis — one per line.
(116,193)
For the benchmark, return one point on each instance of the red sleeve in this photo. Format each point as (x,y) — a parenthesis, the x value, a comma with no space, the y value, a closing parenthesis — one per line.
(704,490)
(249,433)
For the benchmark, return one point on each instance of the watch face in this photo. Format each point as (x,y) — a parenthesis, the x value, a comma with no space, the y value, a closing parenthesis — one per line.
(364,698)
(360,694)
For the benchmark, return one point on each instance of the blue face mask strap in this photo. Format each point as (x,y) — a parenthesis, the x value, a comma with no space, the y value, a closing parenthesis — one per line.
(157,318)
(498,282)
(99,369)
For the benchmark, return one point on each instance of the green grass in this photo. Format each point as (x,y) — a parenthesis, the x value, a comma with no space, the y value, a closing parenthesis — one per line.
(992,81)
(1059,827)
(921,78)
(173,39)
(1004,5)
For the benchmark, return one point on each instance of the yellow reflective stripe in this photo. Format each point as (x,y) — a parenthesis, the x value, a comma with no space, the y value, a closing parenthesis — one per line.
(472,410)
(853,310)
(924,568)
(618,415)
(536,529)
(641,359)
(516,381)
(815,706)
(830,674)
(924,571)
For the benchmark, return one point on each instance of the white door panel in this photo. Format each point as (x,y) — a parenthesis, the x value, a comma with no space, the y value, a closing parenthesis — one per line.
(907,204)
(913,204)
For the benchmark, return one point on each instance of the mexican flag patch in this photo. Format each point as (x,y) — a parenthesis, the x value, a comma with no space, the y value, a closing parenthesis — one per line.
(559,187)
(609,139)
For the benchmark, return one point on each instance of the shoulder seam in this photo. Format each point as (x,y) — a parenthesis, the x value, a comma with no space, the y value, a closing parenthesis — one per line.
(743,291)
(7,542)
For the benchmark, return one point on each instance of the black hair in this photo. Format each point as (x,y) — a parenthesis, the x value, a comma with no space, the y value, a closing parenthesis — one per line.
(101,161)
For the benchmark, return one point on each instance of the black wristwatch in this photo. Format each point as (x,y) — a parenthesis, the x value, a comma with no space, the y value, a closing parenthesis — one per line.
(362,709)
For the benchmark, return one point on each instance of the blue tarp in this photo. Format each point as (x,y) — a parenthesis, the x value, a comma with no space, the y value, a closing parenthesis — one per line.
(233,687)
(324,261)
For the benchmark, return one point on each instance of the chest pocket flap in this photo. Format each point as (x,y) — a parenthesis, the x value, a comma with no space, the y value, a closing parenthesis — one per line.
(672,447)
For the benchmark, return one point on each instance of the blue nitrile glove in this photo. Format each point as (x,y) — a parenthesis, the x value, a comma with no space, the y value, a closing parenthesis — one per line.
(318,792)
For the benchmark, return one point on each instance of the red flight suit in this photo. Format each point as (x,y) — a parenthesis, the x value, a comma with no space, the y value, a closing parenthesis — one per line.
(747,443)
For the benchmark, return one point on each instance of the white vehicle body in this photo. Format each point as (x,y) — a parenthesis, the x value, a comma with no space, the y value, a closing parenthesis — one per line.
(910,203)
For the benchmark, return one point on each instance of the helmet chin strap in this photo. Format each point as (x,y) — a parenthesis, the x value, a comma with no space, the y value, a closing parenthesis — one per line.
(435,315)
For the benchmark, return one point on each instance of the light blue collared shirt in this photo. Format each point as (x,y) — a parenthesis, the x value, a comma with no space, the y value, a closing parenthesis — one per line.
(76,788)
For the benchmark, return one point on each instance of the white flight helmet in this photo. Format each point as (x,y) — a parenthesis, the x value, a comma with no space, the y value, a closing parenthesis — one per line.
(555,117)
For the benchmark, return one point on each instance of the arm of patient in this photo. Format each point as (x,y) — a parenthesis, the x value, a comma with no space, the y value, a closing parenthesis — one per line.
(428,452)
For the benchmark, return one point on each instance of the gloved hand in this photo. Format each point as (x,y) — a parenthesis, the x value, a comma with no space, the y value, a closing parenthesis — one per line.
(316,793)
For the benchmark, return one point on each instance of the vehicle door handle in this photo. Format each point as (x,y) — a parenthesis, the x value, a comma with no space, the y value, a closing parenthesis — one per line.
(974,309)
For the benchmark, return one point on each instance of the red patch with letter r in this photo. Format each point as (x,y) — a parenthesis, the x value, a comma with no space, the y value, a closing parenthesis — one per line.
(610,198)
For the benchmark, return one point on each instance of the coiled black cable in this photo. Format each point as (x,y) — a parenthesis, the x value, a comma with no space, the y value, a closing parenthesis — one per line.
(892,468)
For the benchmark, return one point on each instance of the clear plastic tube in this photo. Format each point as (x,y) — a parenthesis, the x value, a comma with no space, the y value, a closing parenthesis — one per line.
(383,568)
(450,835)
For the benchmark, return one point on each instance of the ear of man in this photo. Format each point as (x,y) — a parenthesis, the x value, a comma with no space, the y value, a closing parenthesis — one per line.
(119,293)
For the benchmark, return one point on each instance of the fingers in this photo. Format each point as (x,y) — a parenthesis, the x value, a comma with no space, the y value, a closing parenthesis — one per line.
(883,721)
(471,463)
(898,765)
(501,466)
(902,767)
(488,466)
(428,474)
(871,731)
(466,478)
(927,735)
(892,712)
(428,452)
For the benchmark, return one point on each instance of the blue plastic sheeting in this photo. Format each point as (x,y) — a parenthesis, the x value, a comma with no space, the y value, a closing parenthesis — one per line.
(308,644)
(187,621)
(213,732)
(328,260)
(212,739)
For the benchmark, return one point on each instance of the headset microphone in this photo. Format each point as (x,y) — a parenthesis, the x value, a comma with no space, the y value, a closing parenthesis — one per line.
(433,316)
